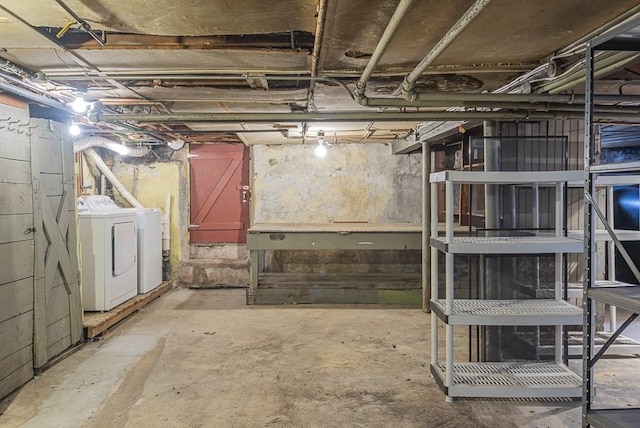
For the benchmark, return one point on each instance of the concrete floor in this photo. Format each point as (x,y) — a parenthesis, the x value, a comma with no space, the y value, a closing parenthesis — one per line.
(201,358)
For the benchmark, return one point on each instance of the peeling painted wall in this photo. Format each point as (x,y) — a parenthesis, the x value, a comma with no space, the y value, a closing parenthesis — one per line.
(354,182)
(149,183)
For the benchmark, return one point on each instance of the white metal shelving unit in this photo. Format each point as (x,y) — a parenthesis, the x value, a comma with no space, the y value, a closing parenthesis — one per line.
(498,379)
(624,37)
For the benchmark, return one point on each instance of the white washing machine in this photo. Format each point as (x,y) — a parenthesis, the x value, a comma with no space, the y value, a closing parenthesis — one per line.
(149,241)
(108,242)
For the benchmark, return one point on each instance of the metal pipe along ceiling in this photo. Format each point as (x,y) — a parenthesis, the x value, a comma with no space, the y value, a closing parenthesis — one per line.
(381,47)
(359,116)
(315,54)
(317,43)
(409,81)
(33,97)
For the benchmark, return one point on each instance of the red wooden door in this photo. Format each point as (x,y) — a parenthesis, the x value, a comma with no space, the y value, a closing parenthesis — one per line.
(219,193)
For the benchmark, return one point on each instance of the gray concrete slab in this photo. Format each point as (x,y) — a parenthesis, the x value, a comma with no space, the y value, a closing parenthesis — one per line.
(201,358)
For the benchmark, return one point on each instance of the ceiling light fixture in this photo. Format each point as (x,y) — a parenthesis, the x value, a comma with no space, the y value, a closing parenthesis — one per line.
(176,144)
(74,129)
(79,105)
(321,149)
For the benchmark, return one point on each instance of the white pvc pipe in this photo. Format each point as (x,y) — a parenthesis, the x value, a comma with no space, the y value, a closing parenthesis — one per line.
(166,232)
(97,160)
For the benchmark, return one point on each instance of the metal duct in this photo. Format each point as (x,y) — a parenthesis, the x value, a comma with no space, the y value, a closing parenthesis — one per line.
(97,160)
(105,143)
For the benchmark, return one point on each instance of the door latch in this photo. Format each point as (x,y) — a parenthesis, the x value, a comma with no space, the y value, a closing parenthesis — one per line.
(245,194)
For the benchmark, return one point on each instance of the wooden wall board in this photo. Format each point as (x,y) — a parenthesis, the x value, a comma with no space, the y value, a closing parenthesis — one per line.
(15,334)
(10,101)
(14,228)
(51,185)
(16,248)
(15,361)
(14,148)
(15,171)
(16,379)
(15,198)
(57,304)
(16,298)
(16,261)
(58,337)
(50,150)
(56,348)
(39,282)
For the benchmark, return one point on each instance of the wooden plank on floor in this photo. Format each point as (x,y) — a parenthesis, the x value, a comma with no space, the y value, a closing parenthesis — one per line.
(279,296)
(96,323)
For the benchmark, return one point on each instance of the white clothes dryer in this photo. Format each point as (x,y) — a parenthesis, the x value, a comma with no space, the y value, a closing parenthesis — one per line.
(108,241)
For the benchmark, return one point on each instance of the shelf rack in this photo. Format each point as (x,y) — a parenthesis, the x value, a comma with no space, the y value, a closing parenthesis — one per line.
(501,379)
(624,37)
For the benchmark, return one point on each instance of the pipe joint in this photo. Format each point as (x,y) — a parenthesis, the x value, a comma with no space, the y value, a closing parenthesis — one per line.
(359,94)
(408,91)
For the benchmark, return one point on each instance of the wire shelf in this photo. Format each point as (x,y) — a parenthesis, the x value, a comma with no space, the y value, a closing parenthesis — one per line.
(509,312)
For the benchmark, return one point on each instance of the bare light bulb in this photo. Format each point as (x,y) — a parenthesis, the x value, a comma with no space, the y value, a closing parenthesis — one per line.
(321,150)
(79,105)
(74,129)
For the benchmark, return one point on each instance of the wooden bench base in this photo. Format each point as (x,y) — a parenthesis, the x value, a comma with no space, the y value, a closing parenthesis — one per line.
(379,289)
